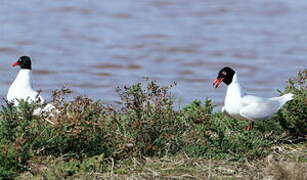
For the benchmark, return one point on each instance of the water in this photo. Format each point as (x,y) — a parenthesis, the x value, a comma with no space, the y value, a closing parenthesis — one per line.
(96,45)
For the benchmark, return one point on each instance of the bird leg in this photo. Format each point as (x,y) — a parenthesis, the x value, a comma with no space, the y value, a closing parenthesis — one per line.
(250,126)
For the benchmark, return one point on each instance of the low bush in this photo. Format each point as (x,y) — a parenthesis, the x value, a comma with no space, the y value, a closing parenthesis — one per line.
(221,137)
(80,127)
(18,132)
(293,116)
(149,120)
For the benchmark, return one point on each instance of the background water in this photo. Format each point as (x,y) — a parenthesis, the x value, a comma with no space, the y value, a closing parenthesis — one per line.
(93,46)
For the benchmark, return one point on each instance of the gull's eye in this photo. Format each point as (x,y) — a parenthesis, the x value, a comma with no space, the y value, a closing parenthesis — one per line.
(224,73)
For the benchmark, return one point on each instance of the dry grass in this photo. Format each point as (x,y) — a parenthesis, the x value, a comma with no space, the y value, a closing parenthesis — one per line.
(286,162)
(290,164)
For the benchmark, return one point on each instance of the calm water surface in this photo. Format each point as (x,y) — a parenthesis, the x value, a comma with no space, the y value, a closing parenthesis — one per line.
(96,45)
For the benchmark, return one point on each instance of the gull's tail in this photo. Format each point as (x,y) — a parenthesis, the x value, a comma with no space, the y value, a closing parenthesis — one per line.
(287,97)
(283,99)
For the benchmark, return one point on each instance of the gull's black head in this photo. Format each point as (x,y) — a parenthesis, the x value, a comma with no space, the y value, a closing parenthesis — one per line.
(24,62)
(225,75)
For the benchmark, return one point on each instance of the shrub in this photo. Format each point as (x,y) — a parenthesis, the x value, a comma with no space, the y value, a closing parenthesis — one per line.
(293,116)
(197,112)
(149,120)
(217,136)
(17,136)
(221,137)
(79,128)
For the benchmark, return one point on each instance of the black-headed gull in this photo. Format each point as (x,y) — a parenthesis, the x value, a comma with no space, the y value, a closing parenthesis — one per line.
(21,88)
(247,107)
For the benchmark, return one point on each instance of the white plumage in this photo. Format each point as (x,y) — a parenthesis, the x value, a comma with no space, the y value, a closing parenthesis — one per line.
(250,107)
(21,89)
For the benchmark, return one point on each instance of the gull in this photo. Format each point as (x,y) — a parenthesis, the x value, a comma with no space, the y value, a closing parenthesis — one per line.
(241,106)
(21,88)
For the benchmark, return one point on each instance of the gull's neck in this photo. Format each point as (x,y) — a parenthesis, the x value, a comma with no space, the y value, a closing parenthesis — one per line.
(234,88)
(23,79)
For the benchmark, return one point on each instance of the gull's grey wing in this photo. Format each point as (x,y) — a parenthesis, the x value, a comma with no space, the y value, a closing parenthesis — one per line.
(249,99)
(259,110)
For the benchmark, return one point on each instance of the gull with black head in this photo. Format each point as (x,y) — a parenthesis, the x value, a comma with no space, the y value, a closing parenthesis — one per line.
(21,88)
(241,106)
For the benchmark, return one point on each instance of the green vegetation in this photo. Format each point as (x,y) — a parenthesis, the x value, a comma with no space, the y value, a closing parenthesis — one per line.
(294,117)
(145,137)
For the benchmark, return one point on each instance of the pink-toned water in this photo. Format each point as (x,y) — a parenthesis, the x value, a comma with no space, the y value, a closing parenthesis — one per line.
(94,46)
